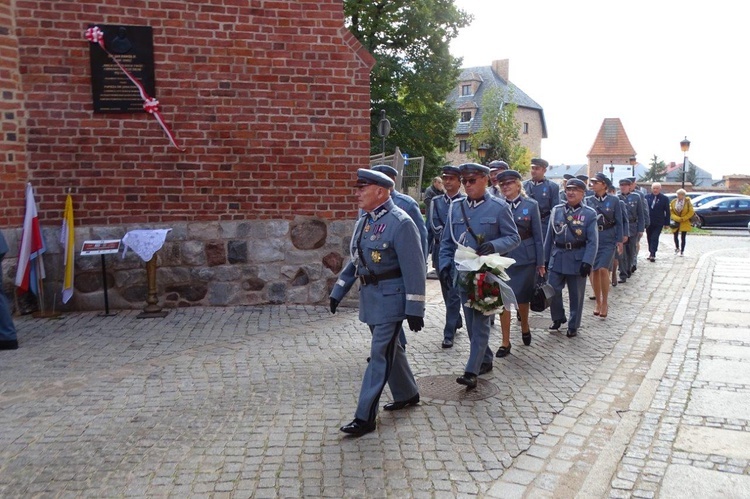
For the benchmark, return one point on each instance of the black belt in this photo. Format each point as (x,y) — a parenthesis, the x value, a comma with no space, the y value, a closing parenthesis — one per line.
(375,278)
(573,245)
(525,235)
(606,226)
(544,214)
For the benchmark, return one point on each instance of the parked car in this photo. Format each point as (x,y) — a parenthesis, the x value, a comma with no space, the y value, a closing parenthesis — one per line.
(691,195)
(724,212)
(707,198)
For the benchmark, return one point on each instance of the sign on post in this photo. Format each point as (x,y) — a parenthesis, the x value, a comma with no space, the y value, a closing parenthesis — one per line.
(103,247)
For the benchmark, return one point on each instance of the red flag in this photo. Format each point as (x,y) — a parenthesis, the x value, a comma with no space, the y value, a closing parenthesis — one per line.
(32,247)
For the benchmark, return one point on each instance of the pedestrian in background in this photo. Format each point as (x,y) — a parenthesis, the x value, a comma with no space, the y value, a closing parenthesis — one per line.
(8,337)
(386,259)
(658,209)
(529,255)
(681,211)
(609,221)
(542,190)
(436,222)
(436,189)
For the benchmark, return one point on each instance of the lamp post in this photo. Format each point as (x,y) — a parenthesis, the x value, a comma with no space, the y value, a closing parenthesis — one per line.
(612,171)
(685,146)
(632,166)
(482,151)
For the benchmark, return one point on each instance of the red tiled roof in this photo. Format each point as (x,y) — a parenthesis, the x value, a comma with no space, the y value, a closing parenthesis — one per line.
(612,140)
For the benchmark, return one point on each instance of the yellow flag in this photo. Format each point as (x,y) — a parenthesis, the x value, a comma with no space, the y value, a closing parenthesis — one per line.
(68,240)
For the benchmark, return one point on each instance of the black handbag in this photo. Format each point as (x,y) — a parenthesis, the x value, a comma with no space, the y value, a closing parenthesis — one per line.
(542,297)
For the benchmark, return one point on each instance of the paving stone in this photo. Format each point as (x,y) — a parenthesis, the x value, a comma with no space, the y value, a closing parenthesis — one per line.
(682,481)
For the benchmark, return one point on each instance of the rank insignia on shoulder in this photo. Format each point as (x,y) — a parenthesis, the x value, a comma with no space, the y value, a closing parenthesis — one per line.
(375,255)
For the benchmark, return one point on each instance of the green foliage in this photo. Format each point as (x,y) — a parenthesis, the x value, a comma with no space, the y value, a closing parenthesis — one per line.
(657,172)
(414,71)
(500,132)
(745,190)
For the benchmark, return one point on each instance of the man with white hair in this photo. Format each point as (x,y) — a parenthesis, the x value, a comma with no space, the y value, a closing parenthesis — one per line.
(658,209)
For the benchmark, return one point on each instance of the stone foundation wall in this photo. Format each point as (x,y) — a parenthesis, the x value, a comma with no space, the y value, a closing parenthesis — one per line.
(222,263)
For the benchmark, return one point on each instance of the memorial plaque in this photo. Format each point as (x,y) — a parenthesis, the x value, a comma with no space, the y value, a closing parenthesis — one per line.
(111,89)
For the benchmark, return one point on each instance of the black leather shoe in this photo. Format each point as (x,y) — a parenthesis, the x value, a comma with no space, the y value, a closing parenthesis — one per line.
(572,333)
(460,324)
(526,338)
(592,297)
(622,279)
(358,427)
(9,345)
(485,368)
(397,406)
(503,351)
(556,325)
(468,379)
(633,269)
(447,344)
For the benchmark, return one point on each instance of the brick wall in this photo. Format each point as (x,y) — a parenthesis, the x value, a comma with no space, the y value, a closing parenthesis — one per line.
(270,99)
(12,131)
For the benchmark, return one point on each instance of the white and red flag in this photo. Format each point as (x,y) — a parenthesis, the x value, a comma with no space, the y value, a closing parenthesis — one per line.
(30,263)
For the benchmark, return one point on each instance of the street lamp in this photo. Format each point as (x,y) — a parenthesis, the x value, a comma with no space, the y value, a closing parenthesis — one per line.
(632,165)
(482,151)
(612,171)
(685,146)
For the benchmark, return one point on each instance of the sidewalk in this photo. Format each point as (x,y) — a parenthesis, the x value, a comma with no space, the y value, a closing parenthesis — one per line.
(247,401)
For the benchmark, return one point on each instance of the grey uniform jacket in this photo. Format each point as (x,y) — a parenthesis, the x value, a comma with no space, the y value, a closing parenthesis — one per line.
(581,228)
(411,208)
(646,214)
(546,193)
(634,212)
(490,217)
(529,225)
(389,241)
(437,219)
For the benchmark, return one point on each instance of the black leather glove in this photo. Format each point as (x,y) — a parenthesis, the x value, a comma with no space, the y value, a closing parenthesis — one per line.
(445,277)
(485,249)
(585,269)
(334,304)
(415,323)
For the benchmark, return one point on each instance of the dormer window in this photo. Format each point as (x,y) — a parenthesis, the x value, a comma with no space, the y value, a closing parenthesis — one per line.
(466,89)
(465,116)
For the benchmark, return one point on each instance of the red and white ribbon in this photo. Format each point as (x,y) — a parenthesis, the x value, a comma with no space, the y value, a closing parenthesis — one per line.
(150,105)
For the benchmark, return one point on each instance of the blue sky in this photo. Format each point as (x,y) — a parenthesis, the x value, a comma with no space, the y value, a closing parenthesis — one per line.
(667,69)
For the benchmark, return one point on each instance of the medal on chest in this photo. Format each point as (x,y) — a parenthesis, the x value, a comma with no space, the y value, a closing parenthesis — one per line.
(375,256)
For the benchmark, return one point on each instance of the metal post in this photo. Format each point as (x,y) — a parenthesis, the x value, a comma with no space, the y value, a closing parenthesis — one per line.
(104,284)
(684,167)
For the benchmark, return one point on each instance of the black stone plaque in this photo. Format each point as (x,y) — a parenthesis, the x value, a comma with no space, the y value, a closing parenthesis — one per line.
(111,89)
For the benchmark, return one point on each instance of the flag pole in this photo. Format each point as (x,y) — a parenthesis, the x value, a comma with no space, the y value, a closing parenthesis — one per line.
(40,287)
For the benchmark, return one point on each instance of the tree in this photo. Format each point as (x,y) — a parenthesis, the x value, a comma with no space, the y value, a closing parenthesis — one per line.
(414,71)
(657,172)
(500,132)
(692,174)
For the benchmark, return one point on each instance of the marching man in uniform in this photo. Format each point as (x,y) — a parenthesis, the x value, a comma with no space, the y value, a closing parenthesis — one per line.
(570,248)
(437,220)
(387,260)
(484,223)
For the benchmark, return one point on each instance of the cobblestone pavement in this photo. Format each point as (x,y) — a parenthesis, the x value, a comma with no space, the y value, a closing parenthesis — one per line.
(247,401)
